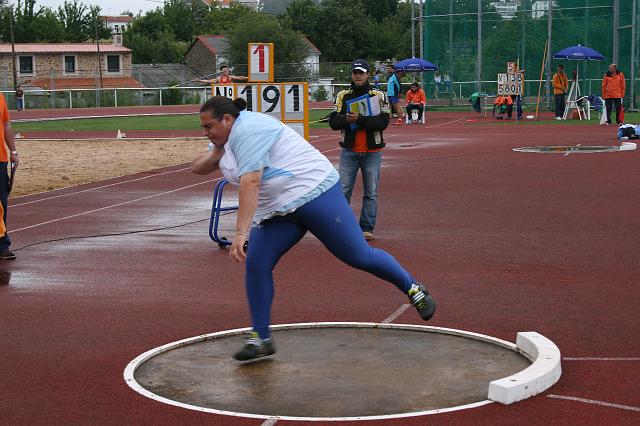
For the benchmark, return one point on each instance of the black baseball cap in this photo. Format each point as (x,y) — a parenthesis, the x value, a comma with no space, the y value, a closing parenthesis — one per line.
(360,65)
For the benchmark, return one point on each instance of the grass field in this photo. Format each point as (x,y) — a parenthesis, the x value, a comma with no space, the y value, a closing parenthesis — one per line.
(145,122)
(191,122)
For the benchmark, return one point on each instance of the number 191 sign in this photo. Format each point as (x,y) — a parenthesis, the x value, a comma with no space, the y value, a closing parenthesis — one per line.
(288,102)
(261,62)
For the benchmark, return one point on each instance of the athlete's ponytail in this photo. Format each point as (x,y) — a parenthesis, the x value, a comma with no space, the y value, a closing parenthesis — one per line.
(218,106)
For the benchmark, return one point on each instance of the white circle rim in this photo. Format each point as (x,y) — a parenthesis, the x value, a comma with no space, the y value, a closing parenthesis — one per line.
(129,372)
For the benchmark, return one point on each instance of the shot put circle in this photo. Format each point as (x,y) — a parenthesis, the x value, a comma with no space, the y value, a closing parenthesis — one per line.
(330,371)
(577,149)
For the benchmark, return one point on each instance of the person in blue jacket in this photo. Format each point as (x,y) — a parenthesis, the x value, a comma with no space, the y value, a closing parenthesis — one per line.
(393,93)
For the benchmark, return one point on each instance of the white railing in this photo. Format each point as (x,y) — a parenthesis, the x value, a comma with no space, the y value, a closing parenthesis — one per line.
(126,97)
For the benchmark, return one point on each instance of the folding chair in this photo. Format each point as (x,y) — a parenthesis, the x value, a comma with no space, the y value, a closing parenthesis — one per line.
(409,120)
(582,106)
(216,209)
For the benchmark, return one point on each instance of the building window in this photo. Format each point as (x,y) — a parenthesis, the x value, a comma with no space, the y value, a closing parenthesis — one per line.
(113,63)
(69,64)
(26,64)
(117,29)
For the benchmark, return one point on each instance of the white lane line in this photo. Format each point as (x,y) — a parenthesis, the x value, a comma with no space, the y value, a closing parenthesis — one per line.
(590,358)
(396,314)
(108,207)
(444,124)
(119,204)
(593,401)
(269,422)
(12,205)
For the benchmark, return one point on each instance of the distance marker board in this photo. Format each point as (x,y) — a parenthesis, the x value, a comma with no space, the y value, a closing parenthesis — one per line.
(288,102)
(261,62)
(510,83)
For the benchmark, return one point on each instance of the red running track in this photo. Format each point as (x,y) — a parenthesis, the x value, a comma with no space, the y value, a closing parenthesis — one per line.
(505,241)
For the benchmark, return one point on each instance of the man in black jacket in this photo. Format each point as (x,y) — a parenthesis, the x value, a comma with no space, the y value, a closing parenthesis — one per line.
(361,114)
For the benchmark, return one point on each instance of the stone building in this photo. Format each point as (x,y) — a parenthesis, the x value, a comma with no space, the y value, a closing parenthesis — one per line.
(66,65)
(117,24)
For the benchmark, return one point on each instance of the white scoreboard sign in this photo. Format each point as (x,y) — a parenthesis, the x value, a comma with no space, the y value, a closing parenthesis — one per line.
(261,62)
(510,83)
(288,102)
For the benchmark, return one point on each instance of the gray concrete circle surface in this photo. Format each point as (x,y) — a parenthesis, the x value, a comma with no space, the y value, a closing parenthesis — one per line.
(331,372)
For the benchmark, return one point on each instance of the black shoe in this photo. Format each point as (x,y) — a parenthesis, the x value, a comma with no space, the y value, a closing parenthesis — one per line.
(422,301)
(255,348)
(6,254)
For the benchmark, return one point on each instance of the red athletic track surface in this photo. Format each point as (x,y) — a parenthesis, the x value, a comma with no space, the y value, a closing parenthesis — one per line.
(505,241)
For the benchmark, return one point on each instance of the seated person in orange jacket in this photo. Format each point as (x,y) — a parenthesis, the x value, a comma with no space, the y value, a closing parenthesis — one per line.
(503,104)
(416,99)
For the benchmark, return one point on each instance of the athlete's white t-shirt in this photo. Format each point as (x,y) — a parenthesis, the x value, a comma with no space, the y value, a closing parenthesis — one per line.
(294,172)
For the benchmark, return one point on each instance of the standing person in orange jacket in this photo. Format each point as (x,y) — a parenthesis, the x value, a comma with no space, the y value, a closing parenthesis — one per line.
(560,87)
(613,87)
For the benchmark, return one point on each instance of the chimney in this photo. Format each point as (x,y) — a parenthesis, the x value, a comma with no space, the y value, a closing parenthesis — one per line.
(117,39)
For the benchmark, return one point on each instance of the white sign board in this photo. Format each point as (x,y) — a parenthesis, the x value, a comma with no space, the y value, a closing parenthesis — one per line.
(510,83)
(261,62)
(288,102)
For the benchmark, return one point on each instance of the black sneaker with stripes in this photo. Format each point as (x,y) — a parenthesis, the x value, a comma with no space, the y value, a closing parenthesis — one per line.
(422,301)
(255,348)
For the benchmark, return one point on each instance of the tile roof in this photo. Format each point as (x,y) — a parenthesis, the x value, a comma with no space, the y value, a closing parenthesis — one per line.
(217,44)
(122,18)
(62,48)
(84,82)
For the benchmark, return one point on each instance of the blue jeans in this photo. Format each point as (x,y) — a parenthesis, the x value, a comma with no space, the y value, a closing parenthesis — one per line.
(369,163)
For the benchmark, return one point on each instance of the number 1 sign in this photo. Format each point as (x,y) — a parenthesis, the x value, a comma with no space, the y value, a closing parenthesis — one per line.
(261,62)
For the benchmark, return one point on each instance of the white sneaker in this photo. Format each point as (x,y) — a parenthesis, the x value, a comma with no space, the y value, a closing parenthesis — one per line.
(558,118)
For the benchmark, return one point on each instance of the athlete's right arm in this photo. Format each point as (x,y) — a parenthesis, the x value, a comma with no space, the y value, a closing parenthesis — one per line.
(207,162)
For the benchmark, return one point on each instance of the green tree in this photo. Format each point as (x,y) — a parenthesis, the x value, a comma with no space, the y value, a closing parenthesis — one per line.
(221,20)
(25,18)
(92,20)
(290,47)
(72,15)
(342,34)
(183,19)
(49,28)
(274,7)
(152,41)
(381,9)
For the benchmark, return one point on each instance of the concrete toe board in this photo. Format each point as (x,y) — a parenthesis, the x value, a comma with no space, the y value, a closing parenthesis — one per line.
(332,372)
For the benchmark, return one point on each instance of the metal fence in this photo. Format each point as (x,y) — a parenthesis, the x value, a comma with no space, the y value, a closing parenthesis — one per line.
(473,40)
(457,94)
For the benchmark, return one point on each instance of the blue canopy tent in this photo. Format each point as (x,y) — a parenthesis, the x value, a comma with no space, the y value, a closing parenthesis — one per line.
(415,65)
(577,53)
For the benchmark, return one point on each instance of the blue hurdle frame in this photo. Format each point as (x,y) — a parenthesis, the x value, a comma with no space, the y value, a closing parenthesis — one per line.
(216,209)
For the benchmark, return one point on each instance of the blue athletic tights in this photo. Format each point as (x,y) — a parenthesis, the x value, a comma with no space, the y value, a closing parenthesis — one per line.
(331,220)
